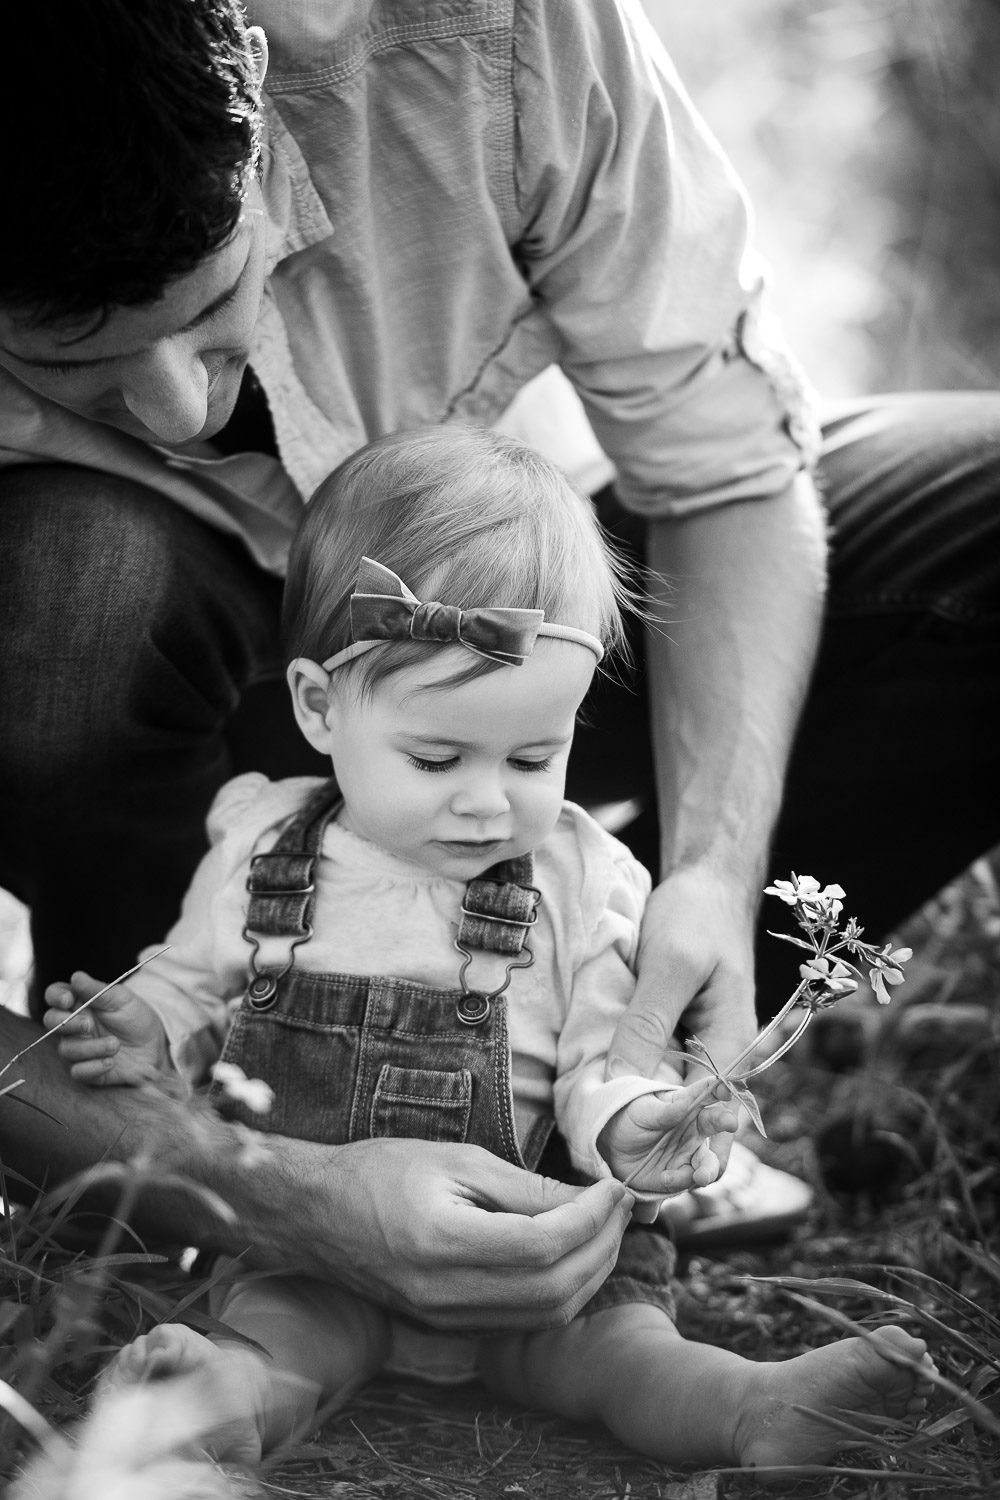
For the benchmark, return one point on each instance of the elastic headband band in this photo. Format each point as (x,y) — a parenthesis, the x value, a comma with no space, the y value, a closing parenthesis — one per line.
(384,609)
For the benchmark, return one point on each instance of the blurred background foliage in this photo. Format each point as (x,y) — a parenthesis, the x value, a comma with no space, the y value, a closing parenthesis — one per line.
(867,133)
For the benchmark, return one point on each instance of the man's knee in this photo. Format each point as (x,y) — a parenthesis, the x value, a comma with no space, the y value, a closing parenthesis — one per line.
(905,443)
(85,552)
(85,561)
(911,483)
(114,615)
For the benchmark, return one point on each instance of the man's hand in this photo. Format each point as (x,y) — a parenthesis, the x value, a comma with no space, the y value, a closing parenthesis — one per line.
(695,970)
(116,1039)
(451,1235)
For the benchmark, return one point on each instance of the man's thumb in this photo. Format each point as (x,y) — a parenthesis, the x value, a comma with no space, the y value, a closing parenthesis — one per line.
(639,1042)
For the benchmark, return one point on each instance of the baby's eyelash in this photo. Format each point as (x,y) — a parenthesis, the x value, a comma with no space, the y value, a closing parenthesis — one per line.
(430,765)
(529,767)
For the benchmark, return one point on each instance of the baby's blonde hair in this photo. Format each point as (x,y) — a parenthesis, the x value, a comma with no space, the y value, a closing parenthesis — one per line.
(464,516)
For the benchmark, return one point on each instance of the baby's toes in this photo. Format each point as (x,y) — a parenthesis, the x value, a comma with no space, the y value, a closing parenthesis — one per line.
(923,1386)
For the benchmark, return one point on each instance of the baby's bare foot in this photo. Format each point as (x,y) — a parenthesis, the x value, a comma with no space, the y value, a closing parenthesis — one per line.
(230,1380)
(851,1380)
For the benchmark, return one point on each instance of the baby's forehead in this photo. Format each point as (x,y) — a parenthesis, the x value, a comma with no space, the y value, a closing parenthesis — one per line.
(452,687)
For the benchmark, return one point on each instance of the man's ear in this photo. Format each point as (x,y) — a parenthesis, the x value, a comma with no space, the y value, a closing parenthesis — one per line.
(258,46)
(309,686)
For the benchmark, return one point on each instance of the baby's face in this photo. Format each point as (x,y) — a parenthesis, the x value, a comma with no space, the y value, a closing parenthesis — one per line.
(457,778)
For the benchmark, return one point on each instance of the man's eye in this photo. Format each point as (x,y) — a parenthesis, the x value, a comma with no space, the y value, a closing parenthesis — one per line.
(431,765)
(223,306)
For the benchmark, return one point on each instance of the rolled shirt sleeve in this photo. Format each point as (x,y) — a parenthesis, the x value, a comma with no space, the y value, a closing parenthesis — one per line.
(637,248)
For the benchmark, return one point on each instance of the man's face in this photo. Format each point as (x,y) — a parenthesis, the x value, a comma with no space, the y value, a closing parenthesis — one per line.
(165,372)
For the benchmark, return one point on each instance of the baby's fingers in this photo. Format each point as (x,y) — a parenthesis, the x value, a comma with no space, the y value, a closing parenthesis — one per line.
(718,1119)
(97,995)
(74,1049)
(59,998)
(705,1166)
(68,1022)
(93,1070)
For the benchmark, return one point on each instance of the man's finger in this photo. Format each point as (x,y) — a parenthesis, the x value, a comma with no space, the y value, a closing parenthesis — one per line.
(538,1226)
(642,1036)
(534,1272)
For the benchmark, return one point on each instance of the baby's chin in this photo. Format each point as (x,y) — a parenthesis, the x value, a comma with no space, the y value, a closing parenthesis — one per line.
(467,860)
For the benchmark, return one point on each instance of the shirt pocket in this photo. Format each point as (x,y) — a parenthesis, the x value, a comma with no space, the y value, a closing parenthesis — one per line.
(426,1103)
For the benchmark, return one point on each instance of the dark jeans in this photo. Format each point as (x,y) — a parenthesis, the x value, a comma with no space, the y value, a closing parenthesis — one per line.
(141,668)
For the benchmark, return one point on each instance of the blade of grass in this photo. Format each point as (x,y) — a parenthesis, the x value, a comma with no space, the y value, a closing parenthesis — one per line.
(838,1285)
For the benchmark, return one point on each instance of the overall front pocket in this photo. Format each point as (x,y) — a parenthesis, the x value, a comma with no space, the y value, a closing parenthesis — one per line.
(423,1102)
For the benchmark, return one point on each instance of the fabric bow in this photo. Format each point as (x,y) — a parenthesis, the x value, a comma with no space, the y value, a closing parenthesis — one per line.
(384,609)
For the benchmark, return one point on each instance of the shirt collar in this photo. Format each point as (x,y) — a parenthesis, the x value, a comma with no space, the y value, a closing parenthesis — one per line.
(296,217)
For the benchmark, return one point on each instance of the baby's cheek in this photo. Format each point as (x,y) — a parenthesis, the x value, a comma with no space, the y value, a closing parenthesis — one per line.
(545,810)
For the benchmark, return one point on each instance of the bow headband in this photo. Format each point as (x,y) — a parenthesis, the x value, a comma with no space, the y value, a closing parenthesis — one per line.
(384,609)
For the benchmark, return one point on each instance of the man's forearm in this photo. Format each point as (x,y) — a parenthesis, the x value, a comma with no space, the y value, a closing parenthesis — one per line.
(447,1233)
(52,1129)
(729,663)
(193,1178)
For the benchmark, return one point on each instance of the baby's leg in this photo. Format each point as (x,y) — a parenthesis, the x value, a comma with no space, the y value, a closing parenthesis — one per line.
(682,1402)
(322,1344)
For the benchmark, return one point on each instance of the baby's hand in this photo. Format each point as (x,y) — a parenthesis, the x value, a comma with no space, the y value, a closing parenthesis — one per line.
(668,1140)
(117,1039)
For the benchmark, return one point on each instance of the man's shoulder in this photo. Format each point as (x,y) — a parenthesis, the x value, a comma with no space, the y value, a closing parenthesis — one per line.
(316,38)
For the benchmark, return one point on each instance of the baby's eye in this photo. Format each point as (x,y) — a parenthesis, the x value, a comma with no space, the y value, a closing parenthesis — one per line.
(432,765)
(531,765)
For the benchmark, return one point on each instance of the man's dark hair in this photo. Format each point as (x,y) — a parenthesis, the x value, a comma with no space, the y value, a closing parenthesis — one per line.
(132,131)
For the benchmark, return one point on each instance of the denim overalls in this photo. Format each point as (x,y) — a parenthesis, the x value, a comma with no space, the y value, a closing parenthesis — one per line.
(351,1057)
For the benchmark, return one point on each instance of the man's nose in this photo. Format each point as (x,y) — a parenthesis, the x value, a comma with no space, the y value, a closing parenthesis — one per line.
(167,390)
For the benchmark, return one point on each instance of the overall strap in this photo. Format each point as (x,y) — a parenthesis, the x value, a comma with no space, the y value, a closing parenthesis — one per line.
(500,906)
(280,883)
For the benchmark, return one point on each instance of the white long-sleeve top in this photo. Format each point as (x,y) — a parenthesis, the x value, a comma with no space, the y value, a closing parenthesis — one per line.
(375,913)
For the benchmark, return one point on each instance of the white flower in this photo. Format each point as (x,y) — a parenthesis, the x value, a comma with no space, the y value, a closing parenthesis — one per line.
(804,891)
(786,890)
(885,970)
(257,1095)
(835,977)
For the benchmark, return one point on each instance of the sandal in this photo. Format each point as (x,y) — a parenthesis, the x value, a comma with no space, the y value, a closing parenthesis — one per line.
(749,1203)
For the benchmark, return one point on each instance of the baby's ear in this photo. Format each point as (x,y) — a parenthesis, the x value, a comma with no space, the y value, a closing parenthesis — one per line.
(309,686)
